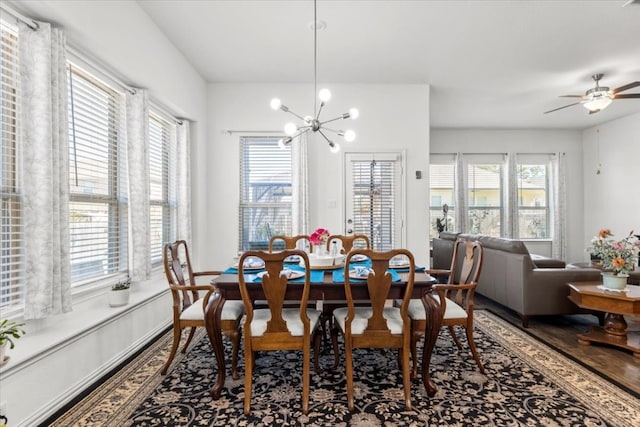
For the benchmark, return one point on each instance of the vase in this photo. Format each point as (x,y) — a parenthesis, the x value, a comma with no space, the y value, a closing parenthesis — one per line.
(319,249)
(614,281)
(118,298)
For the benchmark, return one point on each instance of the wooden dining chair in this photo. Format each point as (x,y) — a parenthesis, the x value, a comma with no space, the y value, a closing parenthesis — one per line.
(455,297)
(348,242)
(376,325)
(188,310)
(277,327)
(290,242)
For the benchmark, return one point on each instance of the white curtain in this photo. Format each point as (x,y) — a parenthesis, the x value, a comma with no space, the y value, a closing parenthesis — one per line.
(138,169)
(462,215)
(183,183)
(45,170)
(511,211)
(299,186)
(558,198)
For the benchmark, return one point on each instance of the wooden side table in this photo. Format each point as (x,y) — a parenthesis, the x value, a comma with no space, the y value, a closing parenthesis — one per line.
(616,304)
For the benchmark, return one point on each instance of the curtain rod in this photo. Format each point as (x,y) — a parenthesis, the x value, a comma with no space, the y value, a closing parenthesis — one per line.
(100,67)
(229,131)
(31,23)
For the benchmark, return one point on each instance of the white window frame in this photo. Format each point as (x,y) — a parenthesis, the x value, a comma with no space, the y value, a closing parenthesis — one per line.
(275,174)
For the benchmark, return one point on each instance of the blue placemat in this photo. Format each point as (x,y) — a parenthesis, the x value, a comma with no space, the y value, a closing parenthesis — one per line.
(338,276)
(406,270)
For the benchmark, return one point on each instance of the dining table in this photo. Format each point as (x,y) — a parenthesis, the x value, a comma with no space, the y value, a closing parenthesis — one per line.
(326,285)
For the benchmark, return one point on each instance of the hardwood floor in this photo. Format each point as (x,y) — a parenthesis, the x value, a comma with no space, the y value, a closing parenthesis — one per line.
(561,331)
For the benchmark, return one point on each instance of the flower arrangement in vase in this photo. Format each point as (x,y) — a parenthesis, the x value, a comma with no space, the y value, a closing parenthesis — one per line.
(619,257)
(319,240)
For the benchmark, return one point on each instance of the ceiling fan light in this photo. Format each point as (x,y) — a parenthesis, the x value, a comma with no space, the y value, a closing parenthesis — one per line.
(598,103)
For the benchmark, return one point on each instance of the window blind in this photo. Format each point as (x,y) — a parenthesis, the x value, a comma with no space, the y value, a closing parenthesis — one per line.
(485,194)
(97,178)
(162,157)
(11,237)
(373,202)
(265,191)
(532,181)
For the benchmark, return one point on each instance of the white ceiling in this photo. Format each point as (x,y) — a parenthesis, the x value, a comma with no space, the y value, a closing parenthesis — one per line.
(490,64)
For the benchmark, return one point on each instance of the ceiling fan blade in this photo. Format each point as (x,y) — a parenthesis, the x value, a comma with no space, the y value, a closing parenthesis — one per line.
(628,95)
(573,96)
(551,111)
(625,87)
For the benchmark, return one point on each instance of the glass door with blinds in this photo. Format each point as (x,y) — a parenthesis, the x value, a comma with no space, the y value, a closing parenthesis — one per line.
(374,198)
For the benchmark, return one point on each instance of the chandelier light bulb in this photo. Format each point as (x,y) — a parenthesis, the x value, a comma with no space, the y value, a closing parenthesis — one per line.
(324,95)
(290,128)
(334,147)
(275,103)
(281,144)
(353,113)
(308,120)
(349,136)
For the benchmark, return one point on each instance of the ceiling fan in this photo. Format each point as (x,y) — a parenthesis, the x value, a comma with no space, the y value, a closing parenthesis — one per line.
(600,97)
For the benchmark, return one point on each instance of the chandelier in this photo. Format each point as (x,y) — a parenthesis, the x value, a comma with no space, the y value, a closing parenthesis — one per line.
(313,123)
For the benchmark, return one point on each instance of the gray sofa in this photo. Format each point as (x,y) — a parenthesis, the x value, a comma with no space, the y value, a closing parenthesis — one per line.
(530,285)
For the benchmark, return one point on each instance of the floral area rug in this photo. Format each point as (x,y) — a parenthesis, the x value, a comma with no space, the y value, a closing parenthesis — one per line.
(526,383)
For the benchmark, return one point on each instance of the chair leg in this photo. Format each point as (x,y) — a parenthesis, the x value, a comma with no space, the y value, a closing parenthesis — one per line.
(248,377)
(336,351)
(317,338)
(191,333)
(348,361)
(415,337)
(306,373)
(455,337)
(406,377)
(472,345)
(174,347)
(234,336)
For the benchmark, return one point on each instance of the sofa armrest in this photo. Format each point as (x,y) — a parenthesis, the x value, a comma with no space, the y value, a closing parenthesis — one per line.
(544,262)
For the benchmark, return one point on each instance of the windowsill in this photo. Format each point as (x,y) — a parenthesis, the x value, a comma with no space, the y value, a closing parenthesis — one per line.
(92,309)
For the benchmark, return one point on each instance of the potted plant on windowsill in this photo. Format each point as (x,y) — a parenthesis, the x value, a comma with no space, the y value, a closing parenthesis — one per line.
(8,332)
(119,293)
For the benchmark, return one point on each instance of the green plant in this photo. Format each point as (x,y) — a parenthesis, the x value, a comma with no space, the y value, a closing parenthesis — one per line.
(121,285)
(10,331)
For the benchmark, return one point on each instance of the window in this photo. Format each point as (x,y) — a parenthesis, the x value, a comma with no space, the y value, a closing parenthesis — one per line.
(532,176)
(485,177)
(11,244)
(97,179)
(442,191)
(162,212)
(265,191)
(374,198)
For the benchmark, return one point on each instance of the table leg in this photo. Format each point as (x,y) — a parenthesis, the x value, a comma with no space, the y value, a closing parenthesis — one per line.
(614,324)
(212,324)
(431,332)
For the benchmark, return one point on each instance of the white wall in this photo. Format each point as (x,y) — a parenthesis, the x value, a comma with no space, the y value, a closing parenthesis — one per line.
(392,118)
(63,354)
(528,141)
(612,198)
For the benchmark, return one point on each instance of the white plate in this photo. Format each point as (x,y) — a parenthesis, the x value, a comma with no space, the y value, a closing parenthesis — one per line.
(358,258)
(353,275)
(251,265)
(291,274)
(292,258)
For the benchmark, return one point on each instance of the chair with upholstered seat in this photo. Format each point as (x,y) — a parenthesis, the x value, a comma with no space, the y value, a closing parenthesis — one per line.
(188,310)
(290,242)
(277,327)
(456,298)
(376,325)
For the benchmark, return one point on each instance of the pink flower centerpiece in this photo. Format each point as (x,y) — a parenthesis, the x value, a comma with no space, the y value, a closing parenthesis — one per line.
(618,256)
(319,237)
